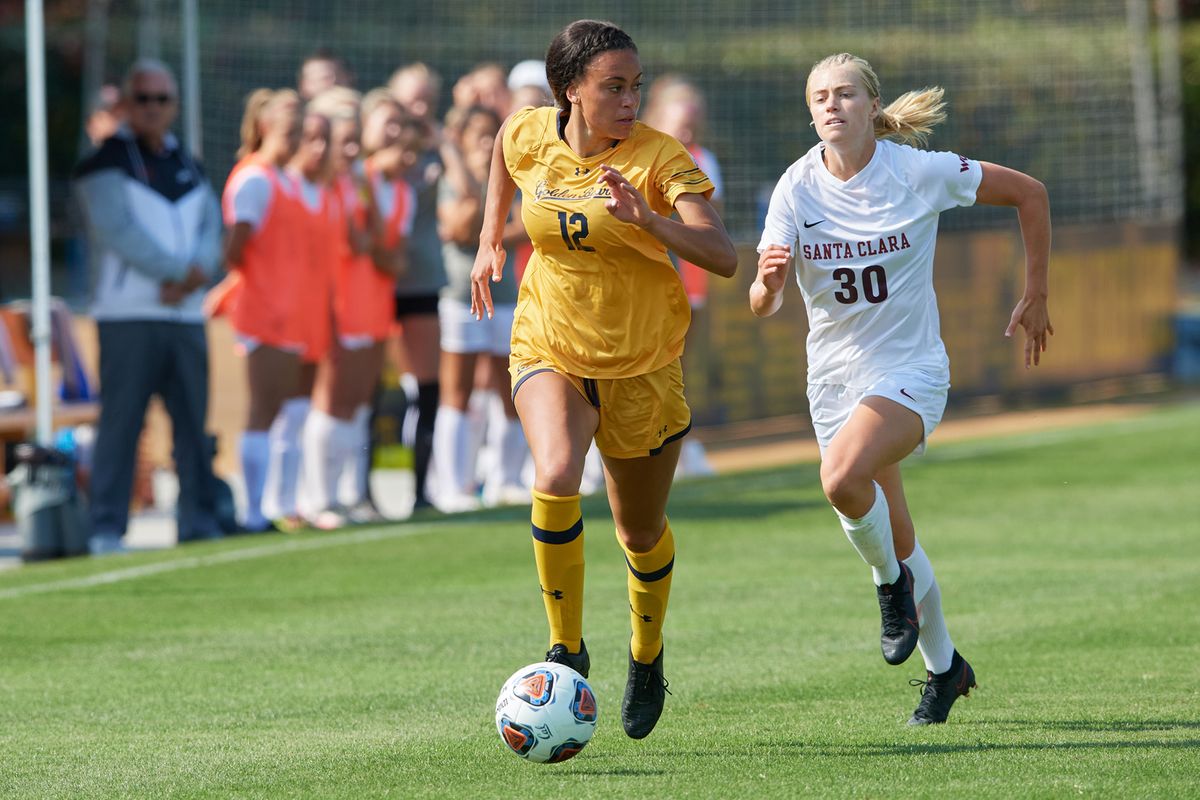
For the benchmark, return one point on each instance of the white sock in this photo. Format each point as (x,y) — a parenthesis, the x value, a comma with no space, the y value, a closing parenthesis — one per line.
(354,450)
(283,466)
(479,424)
(871,536)
(408,426)
(451,439)
(933,640)
(513,450)
(321,466)
(593,471)
(254,451)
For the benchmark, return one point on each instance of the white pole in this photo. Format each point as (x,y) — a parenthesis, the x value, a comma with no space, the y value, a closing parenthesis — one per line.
(193,133)
(1171,100)
(39,211)
(1145,126)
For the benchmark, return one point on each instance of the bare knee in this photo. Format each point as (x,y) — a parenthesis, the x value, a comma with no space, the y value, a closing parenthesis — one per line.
(640,538)
(849,489)
(558,476)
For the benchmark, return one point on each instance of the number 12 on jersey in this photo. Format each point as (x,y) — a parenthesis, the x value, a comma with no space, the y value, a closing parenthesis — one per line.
(573,238)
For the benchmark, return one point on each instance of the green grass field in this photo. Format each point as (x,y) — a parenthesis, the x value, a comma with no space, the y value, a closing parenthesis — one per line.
(366,663)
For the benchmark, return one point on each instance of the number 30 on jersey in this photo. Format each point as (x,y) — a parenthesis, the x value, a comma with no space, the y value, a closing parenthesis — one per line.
(873,280)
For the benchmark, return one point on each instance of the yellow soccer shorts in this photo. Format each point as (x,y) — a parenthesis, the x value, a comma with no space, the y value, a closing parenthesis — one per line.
(638,415)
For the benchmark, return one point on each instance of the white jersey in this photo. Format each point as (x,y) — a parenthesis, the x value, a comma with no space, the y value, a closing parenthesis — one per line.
(864,258)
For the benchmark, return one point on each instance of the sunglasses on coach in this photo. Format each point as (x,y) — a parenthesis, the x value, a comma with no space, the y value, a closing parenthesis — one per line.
(147,99)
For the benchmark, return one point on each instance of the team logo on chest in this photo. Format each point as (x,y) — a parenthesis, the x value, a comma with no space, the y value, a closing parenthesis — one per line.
(543,190)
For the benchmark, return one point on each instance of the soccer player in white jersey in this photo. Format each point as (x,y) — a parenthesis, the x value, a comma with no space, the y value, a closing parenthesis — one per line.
(861,212)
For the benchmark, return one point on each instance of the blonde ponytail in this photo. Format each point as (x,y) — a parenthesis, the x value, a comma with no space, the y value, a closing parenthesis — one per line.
(910,118)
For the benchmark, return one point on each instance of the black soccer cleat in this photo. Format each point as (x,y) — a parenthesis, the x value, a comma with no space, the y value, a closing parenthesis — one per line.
(580,662)
(645,693)
(898,627)
(941,691)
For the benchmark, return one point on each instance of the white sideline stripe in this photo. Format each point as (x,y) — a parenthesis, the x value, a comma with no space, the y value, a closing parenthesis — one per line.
(227,557)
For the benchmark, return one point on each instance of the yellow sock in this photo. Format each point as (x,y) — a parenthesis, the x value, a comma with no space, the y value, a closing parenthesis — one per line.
(558,550)
(649,588)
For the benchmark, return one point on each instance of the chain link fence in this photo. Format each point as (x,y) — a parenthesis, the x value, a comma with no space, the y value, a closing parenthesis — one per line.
(1083,94)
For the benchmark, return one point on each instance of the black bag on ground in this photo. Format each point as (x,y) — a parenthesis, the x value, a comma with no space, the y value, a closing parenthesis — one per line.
(50,512)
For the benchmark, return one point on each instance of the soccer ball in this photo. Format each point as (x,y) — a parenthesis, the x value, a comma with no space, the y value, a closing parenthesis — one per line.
(546,712)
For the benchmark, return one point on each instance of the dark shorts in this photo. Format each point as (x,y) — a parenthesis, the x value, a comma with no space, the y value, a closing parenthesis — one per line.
(410,305)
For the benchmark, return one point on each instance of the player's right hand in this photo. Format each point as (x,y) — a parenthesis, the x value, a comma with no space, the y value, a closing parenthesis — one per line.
(489,268)
(773,264)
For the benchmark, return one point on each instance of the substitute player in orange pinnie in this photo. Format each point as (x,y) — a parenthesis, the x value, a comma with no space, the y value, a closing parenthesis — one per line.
(264,251)
(392,140)
(863,210)
(336,433)
(320,231)
(599,329)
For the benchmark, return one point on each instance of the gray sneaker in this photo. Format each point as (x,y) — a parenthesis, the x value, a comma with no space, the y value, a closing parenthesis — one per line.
(105,544)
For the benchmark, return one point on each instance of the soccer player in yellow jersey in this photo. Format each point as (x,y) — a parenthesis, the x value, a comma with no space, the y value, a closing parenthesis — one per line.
(599,328)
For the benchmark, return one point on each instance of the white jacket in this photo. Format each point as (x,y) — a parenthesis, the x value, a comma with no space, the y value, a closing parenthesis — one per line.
(151,216)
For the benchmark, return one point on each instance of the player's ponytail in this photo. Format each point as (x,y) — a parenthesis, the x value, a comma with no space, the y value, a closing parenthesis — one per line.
(910,118)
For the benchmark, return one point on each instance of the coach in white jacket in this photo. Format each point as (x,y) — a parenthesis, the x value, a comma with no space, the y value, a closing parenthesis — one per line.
(155,228)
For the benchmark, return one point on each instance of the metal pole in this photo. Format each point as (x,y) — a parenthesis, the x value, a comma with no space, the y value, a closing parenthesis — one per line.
(1171,99)
(39,212)
(193,132)
(1145,128)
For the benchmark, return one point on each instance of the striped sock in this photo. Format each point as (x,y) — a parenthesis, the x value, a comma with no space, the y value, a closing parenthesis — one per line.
(649,587)
(558,550)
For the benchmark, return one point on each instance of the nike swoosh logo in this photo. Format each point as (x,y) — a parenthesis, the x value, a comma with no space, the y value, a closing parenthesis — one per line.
(909,396)
(808,224)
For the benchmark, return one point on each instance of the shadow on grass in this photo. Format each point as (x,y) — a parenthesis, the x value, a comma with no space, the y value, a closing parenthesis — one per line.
(717,508)
(989,747)
(1101,726)
(630,772)
(930,749)
(750,495)
(684,506)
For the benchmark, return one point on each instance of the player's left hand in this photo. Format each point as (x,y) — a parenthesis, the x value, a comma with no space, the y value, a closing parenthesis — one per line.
(1032,315)
(627,203)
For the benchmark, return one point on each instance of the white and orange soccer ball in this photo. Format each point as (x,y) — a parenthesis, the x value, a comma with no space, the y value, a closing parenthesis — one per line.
(546,712)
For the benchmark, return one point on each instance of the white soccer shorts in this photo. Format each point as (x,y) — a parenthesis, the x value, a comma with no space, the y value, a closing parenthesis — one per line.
(831,405)
(462,333)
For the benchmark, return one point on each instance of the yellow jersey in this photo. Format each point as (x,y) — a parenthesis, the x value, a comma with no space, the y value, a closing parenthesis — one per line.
(599,298)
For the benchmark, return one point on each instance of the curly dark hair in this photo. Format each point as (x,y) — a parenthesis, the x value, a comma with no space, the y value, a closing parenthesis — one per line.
(574,48)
